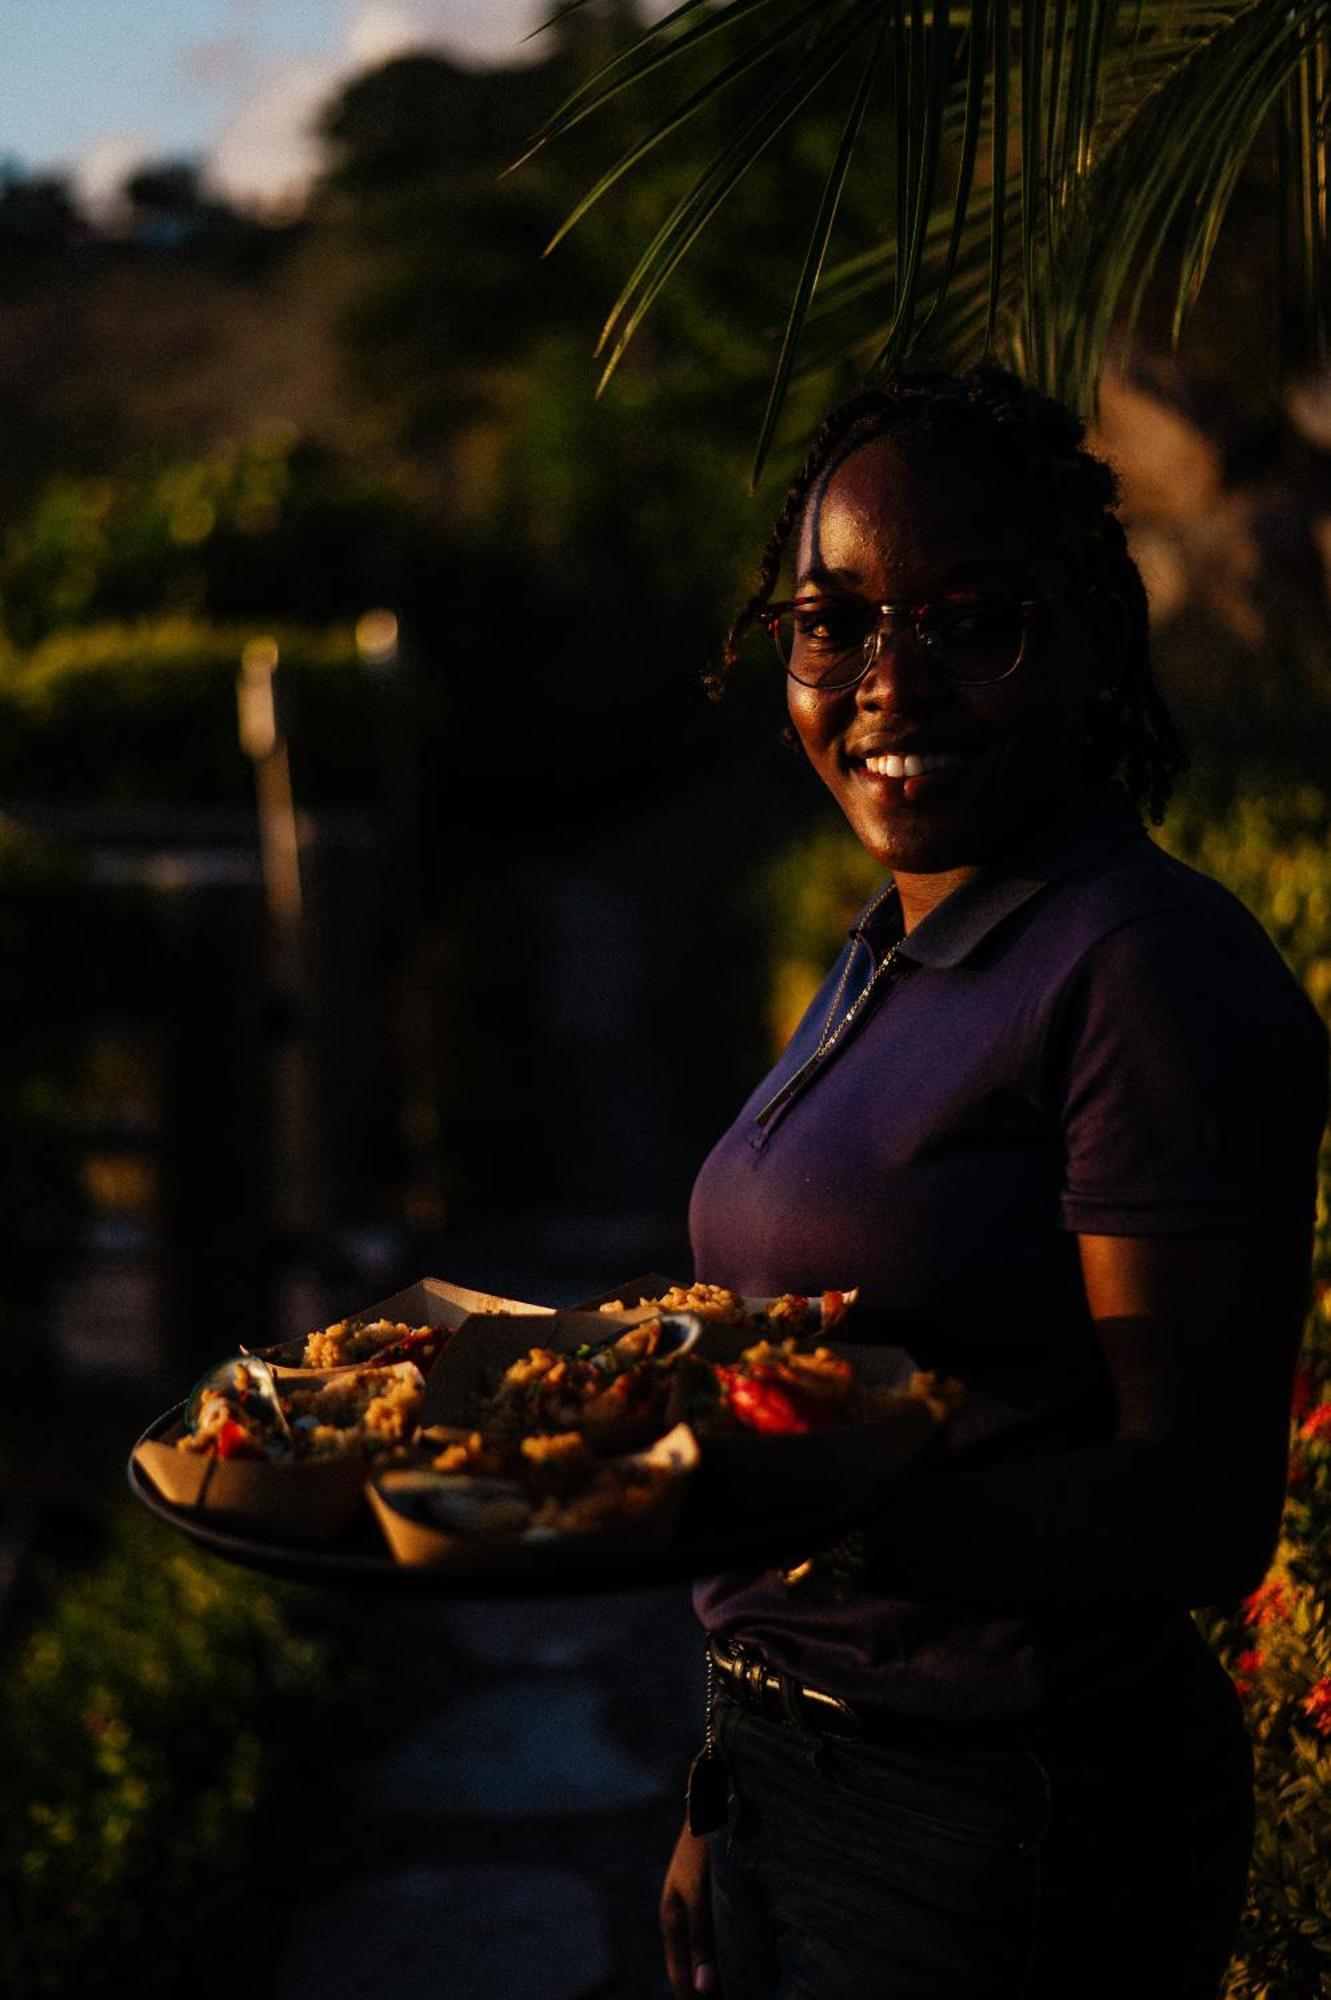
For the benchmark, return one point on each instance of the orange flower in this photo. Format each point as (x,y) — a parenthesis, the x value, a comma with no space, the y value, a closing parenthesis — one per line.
(1317,1423)
(1267,1604)
(1316,1705)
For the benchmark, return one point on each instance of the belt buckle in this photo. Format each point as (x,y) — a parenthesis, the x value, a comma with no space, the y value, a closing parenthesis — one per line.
(827,1714)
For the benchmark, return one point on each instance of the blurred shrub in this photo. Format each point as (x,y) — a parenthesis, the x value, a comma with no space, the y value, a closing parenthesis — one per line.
(149,1719)
(1272,848)
(43,902)
(278,529)
(147,711)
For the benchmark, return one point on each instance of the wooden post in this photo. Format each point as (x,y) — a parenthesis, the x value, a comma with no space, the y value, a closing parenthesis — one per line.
(298,1205)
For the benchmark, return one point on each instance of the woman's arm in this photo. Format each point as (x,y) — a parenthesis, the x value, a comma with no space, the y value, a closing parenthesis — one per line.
(1183,1504)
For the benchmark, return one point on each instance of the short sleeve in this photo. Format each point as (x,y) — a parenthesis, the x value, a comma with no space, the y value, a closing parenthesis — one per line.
(1188,1071)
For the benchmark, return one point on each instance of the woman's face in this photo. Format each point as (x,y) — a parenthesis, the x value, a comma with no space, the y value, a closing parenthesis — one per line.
(909,527)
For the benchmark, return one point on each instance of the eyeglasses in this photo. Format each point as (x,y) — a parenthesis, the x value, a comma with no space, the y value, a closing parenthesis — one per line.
(831,642)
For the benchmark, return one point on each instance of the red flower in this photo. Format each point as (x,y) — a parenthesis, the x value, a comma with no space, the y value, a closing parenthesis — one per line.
(1247,1664)
(1316,1705)
(1268,1603)
(1305,1389)
(1317,1424)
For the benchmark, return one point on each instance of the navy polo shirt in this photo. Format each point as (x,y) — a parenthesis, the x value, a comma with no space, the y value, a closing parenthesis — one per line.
(1092,1038)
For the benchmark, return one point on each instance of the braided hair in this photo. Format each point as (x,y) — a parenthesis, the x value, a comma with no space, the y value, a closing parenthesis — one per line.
(1039,443)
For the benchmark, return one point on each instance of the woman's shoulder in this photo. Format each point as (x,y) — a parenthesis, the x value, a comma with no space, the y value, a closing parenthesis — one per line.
(1145,907)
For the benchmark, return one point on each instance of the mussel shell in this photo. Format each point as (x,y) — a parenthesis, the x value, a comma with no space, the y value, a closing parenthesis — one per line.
(679,1332)
(683,1331)
(244,1379)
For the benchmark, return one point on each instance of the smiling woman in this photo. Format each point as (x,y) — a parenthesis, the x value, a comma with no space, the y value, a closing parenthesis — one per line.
(1056,1111)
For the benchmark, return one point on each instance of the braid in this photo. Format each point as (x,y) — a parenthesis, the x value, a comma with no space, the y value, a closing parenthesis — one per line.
(1074,493)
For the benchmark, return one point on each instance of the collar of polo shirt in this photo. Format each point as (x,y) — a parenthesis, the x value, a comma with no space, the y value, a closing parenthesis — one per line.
(950,933)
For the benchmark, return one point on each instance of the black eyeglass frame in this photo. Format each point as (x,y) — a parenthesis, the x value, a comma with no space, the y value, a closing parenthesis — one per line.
(915,615)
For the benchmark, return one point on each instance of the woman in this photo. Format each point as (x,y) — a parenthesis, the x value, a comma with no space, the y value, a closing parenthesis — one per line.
(1055,1112)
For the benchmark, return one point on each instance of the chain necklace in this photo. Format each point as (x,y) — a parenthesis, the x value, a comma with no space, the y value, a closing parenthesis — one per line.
(834,1029)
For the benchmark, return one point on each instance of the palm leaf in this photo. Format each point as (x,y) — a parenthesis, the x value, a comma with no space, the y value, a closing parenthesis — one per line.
(691,215)
(815,254)
(749,58)
(1049,154)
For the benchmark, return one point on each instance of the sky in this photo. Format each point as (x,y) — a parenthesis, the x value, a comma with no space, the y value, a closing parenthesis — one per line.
(94,87)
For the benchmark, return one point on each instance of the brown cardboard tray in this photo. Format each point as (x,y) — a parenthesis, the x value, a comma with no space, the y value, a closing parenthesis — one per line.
(358,1559)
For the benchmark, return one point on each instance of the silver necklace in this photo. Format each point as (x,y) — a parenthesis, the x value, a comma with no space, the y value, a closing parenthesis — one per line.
(834,1029)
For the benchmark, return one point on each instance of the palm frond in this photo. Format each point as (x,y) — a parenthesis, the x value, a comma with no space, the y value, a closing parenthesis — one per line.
(690,216)
(1049,153)
(749,58)
(815,254)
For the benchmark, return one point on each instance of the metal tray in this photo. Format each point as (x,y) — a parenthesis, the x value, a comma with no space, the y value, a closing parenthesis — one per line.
(358,1558)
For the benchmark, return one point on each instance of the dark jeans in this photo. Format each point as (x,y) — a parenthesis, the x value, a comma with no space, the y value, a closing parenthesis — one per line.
(1097,1861)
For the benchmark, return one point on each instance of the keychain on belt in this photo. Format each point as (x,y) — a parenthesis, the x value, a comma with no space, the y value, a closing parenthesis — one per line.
(707,1794)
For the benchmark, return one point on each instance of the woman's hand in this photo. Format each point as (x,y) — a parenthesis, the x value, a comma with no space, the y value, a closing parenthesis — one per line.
(686,1919)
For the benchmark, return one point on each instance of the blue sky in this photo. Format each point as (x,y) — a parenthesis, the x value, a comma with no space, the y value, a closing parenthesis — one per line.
(91,86)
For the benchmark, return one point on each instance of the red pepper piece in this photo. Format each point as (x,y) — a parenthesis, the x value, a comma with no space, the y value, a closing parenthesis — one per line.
(232,1440)
(762,1404)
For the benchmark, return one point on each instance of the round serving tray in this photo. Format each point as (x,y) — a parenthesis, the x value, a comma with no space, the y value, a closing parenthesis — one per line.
(357,1557)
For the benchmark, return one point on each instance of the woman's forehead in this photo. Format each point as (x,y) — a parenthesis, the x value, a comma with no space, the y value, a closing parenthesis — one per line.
(912,507)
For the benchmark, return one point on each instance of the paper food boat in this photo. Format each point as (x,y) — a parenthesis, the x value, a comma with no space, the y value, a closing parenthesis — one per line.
(429,1302)
(280,1501)
(747,1475)
(634,1293)
(667,1466)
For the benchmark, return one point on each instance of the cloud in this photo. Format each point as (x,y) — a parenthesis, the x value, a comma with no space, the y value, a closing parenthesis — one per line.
(101,170)
(478,30)
(382,29)
(267,155)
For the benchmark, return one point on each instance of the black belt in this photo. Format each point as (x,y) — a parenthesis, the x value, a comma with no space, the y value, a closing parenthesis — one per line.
(746,1679)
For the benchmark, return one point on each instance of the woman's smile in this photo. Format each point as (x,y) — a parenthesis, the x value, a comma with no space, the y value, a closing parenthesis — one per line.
(934,774)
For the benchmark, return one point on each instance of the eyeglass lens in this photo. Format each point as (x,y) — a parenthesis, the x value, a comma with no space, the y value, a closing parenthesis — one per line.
(829,645)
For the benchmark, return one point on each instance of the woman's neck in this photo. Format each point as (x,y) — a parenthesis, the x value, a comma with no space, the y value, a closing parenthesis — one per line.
(921,894)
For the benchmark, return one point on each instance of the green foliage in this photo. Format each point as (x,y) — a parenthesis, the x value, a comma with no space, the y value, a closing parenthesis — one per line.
(146,710)
(1046,160)
(148,1720)
(1272,848)
(279,529)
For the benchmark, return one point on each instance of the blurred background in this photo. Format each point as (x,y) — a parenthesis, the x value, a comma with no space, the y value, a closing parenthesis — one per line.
(380,895)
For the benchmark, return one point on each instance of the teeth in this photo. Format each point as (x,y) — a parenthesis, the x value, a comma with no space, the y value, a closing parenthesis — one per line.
(894,766)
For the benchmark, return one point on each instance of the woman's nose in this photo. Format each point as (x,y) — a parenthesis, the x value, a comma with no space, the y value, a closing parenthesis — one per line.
(900,672)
